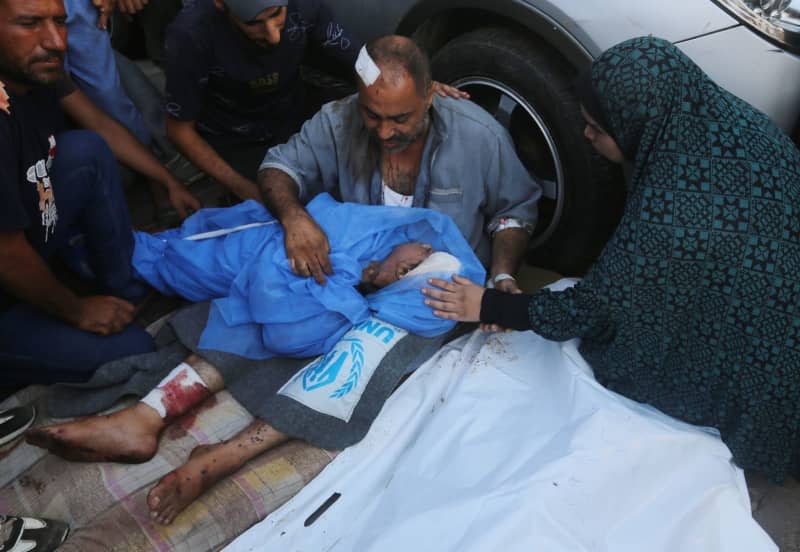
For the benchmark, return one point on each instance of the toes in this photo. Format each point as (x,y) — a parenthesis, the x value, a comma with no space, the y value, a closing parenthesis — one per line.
(168,516)
(39,437)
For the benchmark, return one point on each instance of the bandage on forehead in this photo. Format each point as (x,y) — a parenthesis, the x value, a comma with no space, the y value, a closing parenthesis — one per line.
(367,70)
(438,261)
(247,10)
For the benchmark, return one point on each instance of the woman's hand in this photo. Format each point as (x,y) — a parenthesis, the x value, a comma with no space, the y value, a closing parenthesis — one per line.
(457,300)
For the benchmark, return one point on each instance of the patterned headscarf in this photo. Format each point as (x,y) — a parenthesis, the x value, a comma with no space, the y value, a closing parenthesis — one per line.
(694,304)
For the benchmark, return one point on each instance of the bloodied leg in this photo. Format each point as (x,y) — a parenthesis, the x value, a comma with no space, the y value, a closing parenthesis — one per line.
(131,434)
(206,465)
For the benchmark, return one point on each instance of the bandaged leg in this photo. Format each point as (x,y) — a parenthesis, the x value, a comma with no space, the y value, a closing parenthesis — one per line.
(182,389)
(131,435)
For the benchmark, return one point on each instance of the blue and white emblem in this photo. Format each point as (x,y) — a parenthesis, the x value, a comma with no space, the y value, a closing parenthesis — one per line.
(333,383)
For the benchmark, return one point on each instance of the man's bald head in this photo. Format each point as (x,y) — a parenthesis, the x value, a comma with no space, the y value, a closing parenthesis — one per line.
(399,57)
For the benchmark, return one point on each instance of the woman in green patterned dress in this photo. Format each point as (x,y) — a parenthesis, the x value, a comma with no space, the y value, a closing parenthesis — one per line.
(694,304)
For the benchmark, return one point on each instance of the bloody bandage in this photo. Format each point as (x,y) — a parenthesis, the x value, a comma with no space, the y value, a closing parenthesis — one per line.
(182,389)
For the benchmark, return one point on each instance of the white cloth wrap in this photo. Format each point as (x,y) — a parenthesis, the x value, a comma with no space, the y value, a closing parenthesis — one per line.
(438,261)
(154,398)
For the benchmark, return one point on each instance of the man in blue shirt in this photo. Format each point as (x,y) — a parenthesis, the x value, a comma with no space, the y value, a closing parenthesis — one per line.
(398,143)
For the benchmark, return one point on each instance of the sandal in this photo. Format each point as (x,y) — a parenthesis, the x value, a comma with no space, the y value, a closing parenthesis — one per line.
(26,534)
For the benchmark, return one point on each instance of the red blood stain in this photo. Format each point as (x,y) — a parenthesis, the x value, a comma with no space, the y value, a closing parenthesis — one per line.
(27,481)
(179,397)
(182,426)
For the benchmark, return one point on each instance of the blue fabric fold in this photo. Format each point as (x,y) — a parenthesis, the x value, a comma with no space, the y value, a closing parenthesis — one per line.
(260,309)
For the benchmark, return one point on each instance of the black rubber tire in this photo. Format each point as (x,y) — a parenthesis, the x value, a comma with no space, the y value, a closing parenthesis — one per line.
(592,189)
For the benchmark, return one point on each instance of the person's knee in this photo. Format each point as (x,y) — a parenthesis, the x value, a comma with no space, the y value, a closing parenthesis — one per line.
(86,151)
(83,147)
(138,341)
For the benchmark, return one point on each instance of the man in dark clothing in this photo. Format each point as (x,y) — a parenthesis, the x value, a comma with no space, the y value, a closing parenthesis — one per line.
(233,80)
(56,187)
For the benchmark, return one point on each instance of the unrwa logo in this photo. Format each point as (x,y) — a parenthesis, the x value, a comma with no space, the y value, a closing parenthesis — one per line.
(377,330)
(325,370)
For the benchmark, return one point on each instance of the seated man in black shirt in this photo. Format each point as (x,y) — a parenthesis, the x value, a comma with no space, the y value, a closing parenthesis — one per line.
(54,187)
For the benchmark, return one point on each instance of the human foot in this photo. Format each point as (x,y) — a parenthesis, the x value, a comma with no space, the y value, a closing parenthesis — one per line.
(129,436)
(207,464)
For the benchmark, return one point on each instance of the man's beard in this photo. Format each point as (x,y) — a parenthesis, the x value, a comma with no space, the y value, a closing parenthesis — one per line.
(402,141)
(27,76)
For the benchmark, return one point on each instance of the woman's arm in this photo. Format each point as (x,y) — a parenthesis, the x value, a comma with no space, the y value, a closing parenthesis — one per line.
(555,315)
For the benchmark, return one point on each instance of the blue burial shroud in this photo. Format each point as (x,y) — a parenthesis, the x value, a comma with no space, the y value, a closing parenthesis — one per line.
(261,309)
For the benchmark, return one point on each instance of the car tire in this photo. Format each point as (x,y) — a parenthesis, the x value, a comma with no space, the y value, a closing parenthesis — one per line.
(528,87)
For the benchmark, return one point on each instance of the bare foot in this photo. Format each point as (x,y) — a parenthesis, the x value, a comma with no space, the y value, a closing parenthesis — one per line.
(207,464)
(129,436)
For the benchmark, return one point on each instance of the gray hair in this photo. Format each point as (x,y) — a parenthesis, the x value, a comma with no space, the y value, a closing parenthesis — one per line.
(396,55)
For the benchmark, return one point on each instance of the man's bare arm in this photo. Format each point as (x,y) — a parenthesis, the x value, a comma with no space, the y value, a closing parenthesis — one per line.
(127,148)
(307,246)
(280,194)
(25,275)
(508,250)
(184,134)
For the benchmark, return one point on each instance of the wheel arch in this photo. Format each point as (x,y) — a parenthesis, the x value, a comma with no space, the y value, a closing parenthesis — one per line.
(433,23)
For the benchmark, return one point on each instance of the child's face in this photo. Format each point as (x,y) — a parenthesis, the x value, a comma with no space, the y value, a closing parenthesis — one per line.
(400,261)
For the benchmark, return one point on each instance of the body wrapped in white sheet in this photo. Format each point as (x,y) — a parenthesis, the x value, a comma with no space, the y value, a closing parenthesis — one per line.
(505,442)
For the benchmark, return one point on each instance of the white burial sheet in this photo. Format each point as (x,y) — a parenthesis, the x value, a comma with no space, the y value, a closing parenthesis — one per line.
(505,442)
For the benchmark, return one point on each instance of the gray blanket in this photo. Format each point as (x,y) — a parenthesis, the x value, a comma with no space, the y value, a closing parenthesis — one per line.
(253,383)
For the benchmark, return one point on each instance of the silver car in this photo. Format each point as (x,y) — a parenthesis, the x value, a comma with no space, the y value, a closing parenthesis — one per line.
(518,58)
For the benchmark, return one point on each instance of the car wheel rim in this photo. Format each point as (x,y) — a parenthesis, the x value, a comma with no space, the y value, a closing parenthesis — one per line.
(534,142)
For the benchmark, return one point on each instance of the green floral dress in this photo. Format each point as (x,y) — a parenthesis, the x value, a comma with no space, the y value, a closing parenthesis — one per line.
(694,304)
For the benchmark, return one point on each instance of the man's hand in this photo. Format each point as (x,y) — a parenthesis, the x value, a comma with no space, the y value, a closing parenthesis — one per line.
(103,314)
(182,199)
(131,7)
(307,246)
(509,285)
(447,91)
(104,10)
(457,300)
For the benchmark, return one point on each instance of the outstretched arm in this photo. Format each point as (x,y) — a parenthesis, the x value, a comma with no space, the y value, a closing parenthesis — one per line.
(508,249)
(555,315)
(128,149)
(25,275)
(184,134)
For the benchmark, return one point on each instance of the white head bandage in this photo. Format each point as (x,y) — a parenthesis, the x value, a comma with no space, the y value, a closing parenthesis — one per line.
(366,68)
(438,261)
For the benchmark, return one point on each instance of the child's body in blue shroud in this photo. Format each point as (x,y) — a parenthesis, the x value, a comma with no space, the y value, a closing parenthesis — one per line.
(261,309)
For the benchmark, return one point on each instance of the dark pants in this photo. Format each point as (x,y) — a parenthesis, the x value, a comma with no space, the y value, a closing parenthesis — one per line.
(36,348)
